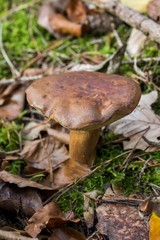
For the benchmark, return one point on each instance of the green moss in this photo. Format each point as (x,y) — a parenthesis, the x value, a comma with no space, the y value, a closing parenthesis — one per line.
(9,135)
(15,166)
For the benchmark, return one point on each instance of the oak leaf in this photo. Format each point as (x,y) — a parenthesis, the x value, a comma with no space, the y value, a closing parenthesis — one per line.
(142,122)
(49,216)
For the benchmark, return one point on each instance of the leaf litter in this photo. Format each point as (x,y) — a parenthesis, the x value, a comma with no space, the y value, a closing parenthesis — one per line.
(141,122)
(44,141)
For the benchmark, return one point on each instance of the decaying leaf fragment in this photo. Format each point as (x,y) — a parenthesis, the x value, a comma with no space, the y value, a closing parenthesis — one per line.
(88,213)
(73,17)
(11,100)
(141,122)
(43,152)
(76,11)
(49,216)
(21,182)
(61,24)
(14,199)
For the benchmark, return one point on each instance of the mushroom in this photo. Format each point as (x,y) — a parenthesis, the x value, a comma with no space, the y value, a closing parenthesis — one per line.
(84,102)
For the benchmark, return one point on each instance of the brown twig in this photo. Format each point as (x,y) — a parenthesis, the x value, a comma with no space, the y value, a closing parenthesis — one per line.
(131,17)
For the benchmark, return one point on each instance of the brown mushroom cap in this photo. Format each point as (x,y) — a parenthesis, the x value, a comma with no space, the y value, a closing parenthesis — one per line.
(84,100)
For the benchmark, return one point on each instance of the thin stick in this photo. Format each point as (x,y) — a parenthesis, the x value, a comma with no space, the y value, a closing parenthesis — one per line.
(8,61)
(131,17)
(21,79)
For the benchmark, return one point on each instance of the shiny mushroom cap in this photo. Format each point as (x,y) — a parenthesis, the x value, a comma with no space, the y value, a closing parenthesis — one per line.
(84,100)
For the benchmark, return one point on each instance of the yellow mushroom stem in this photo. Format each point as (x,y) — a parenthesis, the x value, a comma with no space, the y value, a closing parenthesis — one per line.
(82,146)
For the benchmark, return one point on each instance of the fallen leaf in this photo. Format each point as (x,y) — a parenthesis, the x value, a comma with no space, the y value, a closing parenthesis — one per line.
(120,221)
(140,6)
(88,213)
(14,199)
(76,11)
(21,182)
(154,223)
(135,42)
(41,153)
(153,10)
(11,101)
(45,11)
(49,216)
(66,233)
(61,24)
(141,122)
(33,130)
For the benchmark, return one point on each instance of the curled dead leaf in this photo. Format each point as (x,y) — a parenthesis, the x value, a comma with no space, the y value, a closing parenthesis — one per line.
(61,24)
(41,153)
(89,207)
(49,216)
(141,122)
(76,11)
(11,101)
(21,182)
(13,199)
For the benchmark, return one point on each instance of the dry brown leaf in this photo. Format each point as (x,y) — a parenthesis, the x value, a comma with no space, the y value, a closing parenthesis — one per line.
(11,101)
(66,233)
(154,223)
(32,131)
(41,153)
(49,216)
(119,221)
(154,10)
(47,10)
(21,182)
(76,11)
(88,213)
(61,24)
(14,199)
(141,122)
